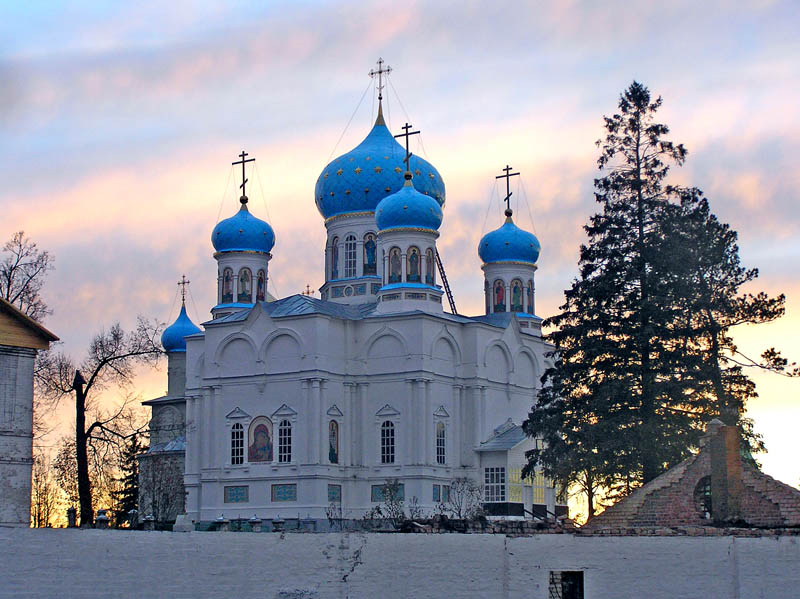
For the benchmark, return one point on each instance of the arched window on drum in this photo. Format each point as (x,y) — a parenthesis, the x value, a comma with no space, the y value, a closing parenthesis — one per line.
(370,254)
(350,256)
(430,265)
(335,258)
(227,286)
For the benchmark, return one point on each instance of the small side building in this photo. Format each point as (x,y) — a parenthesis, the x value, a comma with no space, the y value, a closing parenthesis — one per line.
(20,338)
(717,486)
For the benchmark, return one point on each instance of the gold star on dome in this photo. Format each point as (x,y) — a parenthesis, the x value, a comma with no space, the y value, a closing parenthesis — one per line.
(378,169)
(351,159)
(331,194)
(366,190)
(358,170)
(339,172)
(431,175)
(388,189)
(417,172)
(386,158)
(367,158)
(325,176)
(397,169)
(347,192)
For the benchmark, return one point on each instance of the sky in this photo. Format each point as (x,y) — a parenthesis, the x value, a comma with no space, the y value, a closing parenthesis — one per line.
(120,122)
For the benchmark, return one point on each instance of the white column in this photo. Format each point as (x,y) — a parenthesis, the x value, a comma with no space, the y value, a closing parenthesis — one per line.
(405,446)
(313,418)
(405,266)
(454,431)
(208,415)
(360,257)
(306,427)
(482,432)
(507,298)
(322,427)
(425,388)
(362,413)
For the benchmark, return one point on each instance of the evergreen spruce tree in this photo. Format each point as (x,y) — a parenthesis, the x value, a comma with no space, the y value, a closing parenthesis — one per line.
(127,497)
(644,356)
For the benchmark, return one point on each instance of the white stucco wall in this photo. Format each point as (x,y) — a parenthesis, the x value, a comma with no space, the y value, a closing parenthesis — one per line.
(94,563)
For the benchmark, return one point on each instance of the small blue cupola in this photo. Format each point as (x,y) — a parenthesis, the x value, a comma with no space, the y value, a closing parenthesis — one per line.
(408,209)
(243,232)
(509,243)
(173,337)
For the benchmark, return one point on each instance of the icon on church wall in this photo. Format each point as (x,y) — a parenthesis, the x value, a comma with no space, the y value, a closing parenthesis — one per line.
(429,267)
(530,297)
(259,440)
(516,296)
(333,442)
(413,265)
(370,265)
(227,286)
(335,258)
(395,268)
(261,286)
(499,297)
(245,286)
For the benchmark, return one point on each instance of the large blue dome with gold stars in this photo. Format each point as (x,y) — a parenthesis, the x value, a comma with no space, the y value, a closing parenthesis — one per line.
(358,180)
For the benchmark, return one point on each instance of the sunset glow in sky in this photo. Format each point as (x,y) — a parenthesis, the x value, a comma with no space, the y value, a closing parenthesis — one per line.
(120,122)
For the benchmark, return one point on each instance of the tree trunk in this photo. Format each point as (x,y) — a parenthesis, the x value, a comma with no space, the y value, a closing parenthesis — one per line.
(81,455)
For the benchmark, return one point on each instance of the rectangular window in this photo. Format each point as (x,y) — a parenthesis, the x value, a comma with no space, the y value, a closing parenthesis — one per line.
(284,492)
(349,257)
(387,442)
(237,494)
(441,443)
(494,484)
(285,442)
(445,493)
(237,444)
(334,493)
(566,585)
(378,493)
(437,493)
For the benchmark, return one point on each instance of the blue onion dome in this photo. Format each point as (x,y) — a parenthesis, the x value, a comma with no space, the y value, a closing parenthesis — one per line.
(358,180)
(408,209)
(509,243)
(173,336)
(243,232)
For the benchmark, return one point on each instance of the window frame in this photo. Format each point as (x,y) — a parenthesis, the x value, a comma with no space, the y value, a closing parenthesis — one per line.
(237,444)
(441,443)
(350,256)
(285,441)
(494,484)
(388,445)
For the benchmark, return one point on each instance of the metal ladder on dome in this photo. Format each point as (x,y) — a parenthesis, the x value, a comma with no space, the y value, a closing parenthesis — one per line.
(445,284)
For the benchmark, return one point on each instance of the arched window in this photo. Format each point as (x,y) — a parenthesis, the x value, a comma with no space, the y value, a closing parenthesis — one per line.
(285,442)
(530,296)
(395,266)
(261,286)
(227,286)
(499,296)
(430,276)
(333,442)
(335,258)
(516,295)
(259,440)
(441,443)
(413,265)
(350,256)
(487,293)
(370,247)
(237,444)
(387,442)
(245,295)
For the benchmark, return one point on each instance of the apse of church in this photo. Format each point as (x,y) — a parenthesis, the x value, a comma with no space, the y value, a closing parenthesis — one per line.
(299,405)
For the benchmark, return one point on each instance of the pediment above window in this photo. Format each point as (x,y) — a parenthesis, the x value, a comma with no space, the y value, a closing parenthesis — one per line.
(284,410)
(387,410)
(334,411)
(237,413)
(441,412)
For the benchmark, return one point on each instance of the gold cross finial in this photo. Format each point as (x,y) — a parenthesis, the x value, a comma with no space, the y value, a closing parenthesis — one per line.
(182,284)
(507,176)
(243,199)
(380,71)
(308,290)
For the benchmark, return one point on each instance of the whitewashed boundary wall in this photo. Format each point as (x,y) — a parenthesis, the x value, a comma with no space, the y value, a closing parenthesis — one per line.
(96,563)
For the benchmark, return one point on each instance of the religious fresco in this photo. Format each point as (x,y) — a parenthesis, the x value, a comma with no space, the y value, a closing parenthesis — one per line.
(429,276)
(516,296)
(261,286)
(395,267)
(413,265)
(530,297)
(335,258)
(333,442)
(227,286)
(499,297)
(259,440)
(284,492)
(370,264)
(245,286)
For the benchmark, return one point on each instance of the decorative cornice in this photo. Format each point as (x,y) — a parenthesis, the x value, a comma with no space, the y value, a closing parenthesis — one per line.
(348,215)
(225,253)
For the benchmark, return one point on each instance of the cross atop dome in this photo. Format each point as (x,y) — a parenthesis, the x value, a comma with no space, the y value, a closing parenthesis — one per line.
(380,71)
(182,284)
(243,199)
(407,133)
(507,176)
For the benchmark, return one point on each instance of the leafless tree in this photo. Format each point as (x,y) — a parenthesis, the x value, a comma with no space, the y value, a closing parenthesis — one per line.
(111,360)
(22,272)
(161,486)
(44,493)
(465,499)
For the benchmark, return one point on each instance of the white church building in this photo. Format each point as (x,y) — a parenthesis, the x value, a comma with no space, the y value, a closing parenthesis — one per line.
(288,407)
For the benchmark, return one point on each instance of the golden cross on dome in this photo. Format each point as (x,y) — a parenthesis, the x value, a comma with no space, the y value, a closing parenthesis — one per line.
(308,290)
(507,177)
(183,283)
(380,72)
(243,199)
(407,133)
